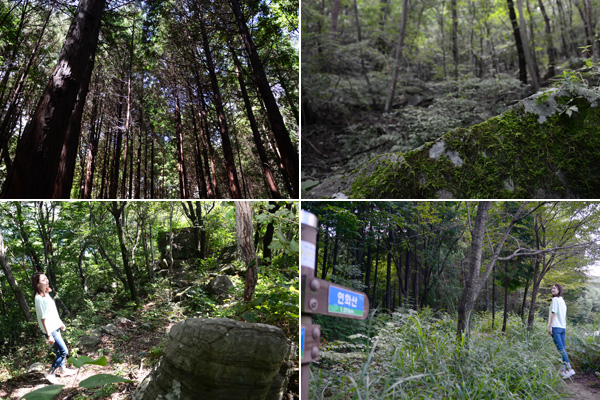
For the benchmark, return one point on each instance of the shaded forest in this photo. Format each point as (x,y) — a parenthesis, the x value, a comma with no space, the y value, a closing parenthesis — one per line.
(149,99)
(124,273)
(459,296)
(388,76)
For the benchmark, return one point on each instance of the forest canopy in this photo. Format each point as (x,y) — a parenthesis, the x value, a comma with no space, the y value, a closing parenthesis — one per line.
(158,99)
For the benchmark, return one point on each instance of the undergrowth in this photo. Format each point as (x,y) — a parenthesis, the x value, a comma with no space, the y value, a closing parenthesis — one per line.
(411,355)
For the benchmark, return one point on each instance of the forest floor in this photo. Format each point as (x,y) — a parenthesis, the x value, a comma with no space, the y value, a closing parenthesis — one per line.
(342,137)
(584,386)
(131,354)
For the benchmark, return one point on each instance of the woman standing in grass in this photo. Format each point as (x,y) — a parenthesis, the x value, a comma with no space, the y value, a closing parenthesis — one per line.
(51,325)
(557,325)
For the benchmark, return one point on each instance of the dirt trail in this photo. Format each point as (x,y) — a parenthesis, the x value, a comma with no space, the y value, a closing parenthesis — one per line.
(584,386)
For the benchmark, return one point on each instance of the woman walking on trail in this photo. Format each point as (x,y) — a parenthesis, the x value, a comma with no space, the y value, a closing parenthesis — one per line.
(557,324)
(51,325)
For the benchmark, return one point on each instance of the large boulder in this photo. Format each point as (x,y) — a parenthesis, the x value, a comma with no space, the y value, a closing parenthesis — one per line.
(219,286)
(89,343)
(546,146)
(220,359)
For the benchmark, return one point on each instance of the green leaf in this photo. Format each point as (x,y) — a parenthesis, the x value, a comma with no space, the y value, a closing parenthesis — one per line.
(101,379)
(78,362)
(44,393)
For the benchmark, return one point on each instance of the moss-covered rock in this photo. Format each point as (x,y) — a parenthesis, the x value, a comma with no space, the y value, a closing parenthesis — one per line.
(548,146)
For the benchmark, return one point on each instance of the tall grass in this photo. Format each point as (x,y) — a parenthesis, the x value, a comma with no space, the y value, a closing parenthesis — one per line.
(418,356)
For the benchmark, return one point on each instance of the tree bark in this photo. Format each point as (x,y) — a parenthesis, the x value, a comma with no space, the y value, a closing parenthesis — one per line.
(244,229)
(12,282)
(518,41)
(232,179)
(289,154)
(37,159)
(397,56)
(262,152)
(117,210)
(455,36)
(528,59)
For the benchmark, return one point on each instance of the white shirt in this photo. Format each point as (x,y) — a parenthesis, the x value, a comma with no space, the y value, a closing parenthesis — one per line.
(45,308)
(558,307)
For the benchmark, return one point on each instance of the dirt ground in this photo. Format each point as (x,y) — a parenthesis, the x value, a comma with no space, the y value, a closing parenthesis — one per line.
(125,353)
(129,355)
(584,386)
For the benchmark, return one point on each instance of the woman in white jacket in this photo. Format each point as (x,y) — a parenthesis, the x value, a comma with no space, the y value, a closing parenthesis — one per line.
(557,327)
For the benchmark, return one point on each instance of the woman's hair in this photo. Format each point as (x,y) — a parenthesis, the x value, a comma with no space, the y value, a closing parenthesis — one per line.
(560,289)
(35,282)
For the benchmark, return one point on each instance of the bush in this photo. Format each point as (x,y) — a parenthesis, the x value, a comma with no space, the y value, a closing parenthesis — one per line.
(418,356)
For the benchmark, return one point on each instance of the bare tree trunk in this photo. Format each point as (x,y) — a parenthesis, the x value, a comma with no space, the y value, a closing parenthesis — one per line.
(475,280)
(12,282)
(232,179)
(455,36)
(244,229)
(518,41)
(528,58)
(117,211)
(35,167)
(397,56)
(289,154)
(549,45)
(262,152)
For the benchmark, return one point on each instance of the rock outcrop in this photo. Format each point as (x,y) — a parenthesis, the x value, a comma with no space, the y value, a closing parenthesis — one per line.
(220,359)
(547,146)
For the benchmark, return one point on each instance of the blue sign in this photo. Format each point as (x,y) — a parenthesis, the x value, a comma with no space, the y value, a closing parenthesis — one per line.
(302,343)
(343,301)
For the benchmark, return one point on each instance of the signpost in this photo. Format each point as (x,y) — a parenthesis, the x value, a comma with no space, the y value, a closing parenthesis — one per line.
(319,296)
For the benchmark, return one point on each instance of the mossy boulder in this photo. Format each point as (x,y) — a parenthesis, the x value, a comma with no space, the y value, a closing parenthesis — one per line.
(547,146)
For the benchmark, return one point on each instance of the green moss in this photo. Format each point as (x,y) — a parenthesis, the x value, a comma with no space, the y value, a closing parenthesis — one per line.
(510,156)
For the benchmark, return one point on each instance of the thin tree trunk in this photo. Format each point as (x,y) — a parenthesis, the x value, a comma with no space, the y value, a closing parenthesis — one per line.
(117,211)
(528,58)
(549,45)
(232,179)
(397,56)
(262,152)
(518,41)
(13,283)
(244,229)
(289,154)
(455,36)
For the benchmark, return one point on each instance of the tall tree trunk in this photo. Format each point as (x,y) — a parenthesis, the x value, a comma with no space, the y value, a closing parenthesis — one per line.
(117,211)
(244,230)
(397,56)
(518,41)
(183,180)
(232,179)
(12,282)
(475,280)
(549,45)
(10,115)
(119,132)
(34,171)
(262,152)
(289,154)
(455,36)
(92,151)
(335,11)
(528,59)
